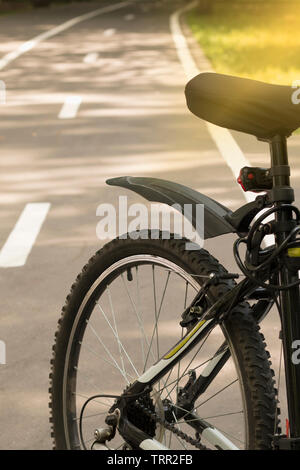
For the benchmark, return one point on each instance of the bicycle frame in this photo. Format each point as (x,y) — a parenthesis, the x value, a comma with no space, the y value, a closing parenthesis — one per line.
(225,221)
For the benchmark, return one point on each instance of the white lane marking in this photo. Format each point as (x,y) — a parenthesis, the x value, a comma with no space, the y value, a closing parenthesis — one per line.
(29,45)
(235,159)
(182,48)
(2,353)
(227,145)
(70,107)
(129,17)
(109,32)
(231,152)
(17,247)
(91,58)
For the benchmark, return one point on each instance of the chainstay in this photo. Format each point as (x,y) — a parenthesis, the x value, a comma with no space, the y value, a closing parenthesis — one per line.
(171,427)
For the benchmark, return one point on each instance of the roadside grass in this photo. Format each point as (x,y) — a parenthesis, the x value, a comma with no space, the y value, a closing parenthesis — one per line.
(253,41)
(10,11)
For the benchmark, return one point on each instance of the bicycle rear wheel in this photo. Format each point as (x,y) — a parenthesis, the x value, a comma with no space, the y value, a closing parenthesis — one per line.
(123,313)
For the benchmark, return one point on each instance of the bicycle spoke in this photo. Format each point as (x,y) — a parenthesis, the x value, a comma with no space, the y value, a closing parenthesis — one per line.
(157,315)
(108,352)
(119,343)
(155,311)
(186,374)
(187,367)
(91,416)
(87,397)
(174,416)
(140,310)
(217,393)
(184,308)
(85,346)
(115,330)
(137,316)
(211,417)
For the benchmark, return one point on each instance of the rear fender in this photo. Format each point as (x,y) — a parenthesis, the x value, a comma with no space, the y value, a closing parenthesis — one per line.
(167,192)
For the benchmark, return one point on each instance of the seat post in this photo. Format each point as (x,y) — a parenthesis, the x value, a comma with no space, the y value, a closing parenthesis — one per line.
(280,170)
(279,157)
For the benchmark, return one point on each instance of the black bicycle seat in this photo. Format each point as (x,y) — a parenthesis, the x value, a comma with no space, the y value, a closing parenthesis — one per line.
(244,105)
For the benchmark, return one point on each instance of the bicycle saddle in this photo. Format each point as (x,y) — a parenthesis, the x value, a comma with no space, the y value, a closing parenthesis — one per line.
(244,105)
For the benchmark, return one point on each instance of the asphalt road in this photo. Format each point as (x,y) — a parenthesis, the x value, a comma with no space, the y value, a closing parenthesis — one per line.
(132,120)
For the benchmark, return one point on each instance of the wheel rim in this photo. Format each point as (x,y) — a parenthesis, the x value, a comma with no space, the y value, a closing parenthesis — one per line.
(139,343)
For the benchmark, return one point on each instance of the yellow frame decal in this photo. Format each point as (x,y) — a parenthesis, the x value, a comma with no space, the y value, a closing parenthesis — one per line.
(184,341)
(294,252)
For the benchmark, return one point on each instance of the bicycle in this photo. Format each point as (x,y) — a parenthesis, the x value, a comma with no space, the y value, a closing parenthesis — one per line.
(113,385)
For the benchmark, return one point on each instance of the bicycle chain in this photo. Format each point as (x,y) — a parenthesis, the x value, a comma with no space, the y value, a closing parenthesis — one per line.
(152,415)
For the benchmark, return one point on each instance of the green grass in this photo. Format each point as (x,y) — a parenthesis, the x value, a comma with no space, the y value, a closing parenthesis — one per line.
(254,41)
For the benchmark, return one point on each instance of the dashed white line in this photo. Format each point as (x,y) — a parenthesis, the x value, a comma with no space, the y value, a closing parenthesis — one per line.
(17,247)
(109,32)
(129,17)
(70,107)
(29,45)
(91,58)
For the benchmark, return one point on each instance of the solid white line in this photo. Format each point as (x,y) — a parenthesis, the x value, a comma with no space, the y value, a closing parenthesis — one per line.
(20,241)
(181,45)
(231,153)
(227,145)
(91,58)
(28,45)
(70,107)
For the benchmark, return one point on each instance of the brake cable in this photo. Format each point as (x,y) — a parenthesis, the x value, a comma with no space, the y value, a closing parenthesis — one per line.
(249,269)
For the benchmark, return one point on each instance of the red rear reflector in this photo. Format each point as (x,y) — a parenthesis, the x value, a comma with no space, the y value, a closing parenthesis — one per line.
(239,180)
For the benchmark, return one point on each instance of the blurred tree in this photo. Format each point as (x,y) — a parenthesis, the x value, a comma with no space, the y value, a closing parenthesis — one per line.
(205,6)
(40,3)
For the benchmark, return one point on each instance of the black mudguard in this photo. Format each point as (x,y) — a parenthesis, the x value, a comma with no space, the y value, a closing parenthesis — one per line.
(167,192)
